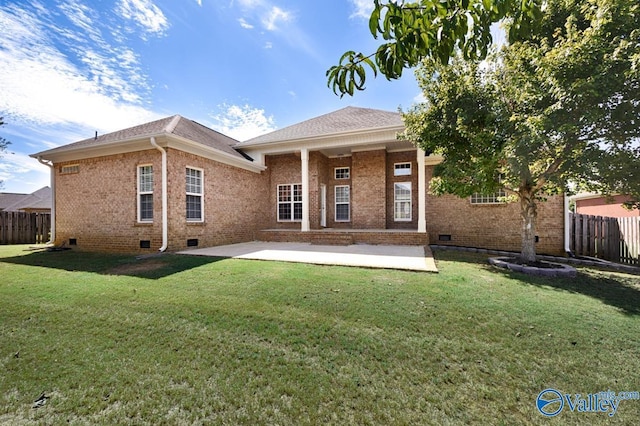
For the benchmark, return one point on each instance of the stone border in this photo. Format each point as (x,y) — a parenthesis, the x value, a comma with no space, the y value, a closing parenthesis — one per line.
(560,271)
(599,263)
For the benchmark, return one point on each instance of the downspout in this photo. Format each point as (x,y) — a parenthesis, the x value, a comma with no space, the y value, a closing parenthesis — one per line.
(567,236)
(165,223)
(53,198)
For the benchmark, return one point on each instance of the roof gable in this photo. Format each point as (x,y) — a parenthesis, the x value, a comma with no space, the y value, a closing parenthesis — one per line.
(174,125)
(345,120)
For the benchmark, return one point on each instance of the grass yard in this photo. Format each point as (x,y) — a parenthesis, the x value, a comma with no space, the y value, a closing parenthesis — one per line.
(190,340)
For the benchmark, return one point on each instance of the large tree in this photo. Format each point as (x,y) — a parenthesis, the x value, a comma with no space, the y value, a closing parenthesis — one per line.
(436,29)
(558,109)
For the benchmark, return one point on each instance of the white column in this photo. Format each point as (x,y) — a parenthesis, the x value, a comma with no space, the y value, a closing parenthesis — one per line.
(304,157)
(422,193)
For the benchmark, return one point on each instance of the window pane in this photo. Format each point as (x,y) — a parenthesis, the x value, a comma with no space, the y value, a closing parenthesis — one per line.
(146,179)
(402,201)
(402,169)
(342,173)
(284,193)
(342,194)
(297,211)
(297,192)
(402,191)
(342,211)
(194,207)
(194,181)
(495,198)
(289,202)
(146,207)
(402,210)
(284,211)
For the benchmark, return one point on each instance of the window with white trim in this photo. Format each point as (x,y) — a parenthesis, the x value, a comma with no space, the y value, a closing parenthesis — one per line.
(194,195)
(402,169)
(290,202)
(145,193)
(342,173)
(343,206)
(402,202)
(495,198)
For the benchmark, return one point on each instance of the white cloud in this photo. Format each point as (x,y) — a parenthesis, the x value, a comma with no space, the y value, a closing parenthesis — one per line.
(245,24)
(14,167)
(242,122)
(41,85)
(145,14)
(268,45)
(270,16)
(274,16)
(363,8)
(251,4)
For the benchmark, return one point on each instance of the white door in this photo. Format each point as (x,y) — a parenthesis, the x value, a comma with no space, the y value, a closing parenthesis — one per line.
(323,205)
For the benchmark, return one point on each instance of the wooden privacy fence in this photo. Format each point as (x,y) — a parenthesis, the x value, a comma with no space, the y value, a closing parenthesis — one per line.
(611,238)
(24,228)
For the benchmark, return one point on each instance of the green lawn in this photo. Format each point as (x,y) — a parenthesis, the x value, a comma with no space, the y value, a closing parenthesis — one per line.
(192,340)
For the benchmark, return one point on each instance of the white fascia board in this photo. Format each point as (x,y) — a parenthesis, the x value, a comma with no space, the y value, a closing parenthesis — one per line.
(353,139)
(340,136)
(102,150)
(336,140)
(590,195)
(143,144)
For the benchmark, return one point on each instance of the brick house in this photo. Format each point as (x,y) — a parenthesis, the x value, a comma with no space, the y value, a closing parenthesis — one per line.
(340,178)
(600,205)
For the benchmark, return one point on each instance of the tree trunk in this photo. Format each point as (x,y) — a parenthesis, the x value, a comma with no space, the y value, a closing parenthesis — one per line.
(529,213)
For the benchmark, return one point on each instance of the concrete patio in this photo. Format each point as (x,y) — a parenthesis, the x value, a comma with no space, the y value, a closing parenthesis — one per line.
(411,258)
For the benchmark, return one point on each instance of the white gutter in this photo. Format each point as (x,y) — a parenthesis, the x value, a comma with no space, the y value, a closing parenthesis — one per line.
(165,222)
(53,199)
(567,236)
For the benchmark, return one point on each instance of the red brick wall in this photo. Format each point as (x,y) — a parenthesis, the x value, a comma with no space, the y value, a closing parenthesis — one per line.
(281,170)
(601,207)
(287,169)
(98,206)
(492,226)
(368,192)
(332,182)
(402,157)
(235,204)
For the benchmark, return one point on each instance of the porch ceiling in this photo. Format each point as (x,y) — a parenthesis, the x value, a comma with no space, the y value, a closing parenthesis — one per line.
(344,151)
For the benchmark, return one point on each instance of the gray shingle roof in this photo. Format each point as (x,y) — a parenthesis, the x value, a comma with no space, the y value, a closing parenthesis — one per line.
(175,125)
(10,198)
(40,199)
(343,120)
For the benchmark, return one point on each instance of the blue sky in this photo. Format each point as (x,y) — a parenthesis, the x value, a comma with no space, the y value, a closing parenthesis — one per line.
(70,68)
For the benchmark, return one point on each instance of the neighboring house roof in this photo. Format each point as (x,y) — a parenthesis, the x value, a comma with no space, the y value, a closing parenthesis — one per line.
(8,199)
(188,134)
(345,120)
(38,200)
